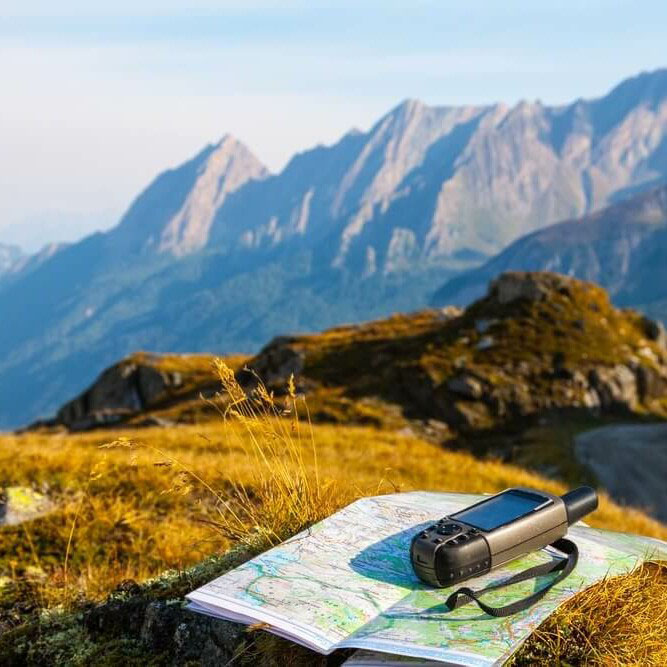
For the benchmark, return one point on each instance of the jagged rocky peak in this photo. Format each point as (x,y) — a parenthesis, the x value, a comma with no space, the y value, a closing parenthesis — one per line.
(175,212)
(228,166)
(407,111)
(386,173)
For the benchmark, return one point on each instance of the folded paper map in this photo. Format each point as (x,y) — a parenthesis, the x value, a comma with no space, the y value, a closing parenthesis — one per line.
(347,582)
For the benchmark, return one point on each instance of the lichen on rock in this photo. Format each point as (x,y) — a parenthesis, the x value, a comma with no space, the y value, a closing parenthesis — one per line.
(21,503)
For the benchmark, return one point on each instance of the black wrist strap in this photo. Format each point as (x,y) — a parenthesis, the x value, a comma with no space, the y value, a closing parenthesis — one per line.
(465,595)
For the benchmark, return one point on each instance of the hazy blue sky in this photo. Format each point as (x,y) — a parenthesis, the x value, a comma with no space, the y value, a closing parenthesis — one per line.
(97,99)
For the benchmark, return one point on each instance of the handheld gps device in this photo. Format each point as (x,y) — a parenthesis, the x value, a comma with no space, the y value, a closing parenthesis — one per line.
(494,531)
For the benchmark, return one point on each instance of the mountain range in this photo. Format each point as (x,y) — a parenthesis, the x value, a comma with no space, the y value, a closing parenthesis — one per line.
(220,255)
(622,247)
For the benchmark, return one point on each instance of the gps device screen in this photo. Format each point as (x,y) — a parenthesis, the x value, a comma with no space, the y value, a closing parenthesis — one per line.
(500,509)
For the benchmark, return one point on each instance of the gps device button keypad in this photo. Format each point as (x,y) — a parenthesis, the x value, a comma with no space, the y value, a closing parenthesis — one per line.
(449,529)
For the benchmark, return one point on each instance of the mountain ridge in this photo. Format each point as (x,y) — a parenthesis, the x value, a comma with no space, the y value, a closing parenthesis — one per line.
(180,202)
(609,247)
(218,254)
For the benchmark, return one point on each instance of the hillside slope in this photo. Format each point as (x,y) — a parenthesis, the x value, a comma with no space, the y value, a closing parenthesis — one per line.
(516,375)
(147,522)
(219,255)
(536,342)
(622,247)
(537,353)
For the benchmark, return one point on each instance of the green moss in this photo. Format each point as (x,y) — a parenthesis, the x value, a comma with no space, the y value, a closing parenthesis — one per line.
(62,636)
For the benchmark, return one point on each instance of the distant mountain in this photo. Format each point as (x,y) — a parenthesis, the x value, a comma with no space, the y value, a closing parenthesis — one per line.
(426,184)
(25,263)
(174,214)
(622,247)
(219,255)
(10,255)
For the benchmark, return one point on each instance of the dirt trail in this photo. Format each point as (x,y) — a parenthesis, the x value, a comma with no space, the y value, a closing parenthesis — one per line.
(630,461)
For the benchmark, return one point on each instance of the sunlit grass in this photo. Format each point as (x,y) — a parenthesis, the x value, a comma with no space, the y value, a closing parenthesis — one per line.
(145,500)
(619,621)
(133,523)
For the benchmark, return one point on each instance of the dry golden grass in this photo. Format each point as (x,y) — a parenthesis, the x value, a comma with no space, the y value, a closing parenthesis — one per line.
(133,524)
(127,525)
(619,621)
(287,492)
(164,498)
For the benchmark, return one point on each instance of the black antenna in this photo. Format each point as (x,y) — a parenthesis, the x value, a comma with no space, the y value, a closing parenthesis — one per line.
(580,502)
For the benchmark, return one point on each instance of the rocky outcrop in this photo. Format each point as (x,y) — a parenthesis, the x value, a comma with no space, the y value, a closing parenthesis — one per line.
(164,627)
(280,359)
(651,383)
(610,389)
(122,390)
(519,285)
(466,386)
(536,342)
(655,331)
(615,386)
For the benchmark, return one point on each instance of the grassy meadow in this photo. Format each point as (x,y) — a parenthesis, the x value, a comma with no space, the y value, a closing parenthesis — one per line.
(132,503)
